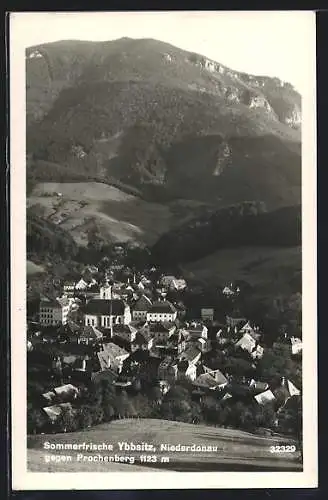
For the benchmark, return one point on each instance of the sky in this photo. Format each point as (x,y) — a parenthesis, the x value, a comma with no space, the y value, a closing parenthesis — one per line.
(270,43)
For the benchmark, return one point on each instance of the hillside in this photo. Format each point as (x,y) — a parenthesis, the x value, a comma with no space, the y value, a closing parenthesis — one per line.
(166,122)
(270,269)
(245,224)
(237,450)
(77,207)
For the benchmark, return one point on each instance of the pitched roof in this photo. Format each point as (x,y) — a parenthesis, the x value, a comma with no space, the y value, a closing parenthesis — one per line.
(189,354)
(162,306)
(143,304)
(142,337)
(114,350)
(117,329)
(167,279)
(91,332)
(67,389)
(258,385)
(58,302)
(265,397)
(53,412)
(105,307)
(206,380)
(246,342)
(159,327)
(293,391)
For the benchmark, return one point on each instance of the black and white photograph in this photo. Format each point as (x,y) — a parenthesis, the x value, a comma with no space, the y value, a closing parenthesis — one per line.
(163,199)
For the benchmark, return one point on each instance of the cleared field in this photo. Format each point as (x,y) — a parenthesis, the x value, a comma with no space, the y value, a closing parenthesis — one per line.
(256,265)
(117,215)
(33,269)
(236,450)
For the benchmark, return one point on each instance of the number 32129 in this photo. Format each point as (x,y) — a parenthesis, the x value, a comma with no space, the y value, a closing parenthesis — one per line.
(283,448)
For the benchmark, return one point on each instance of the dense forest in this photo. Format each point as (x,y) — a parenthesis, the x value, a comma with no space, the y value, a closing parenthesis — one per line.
(238,225)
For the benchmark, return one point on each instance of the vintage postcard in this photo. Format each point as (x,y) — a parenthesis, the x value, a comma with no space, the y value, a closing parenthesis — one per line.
(163,250)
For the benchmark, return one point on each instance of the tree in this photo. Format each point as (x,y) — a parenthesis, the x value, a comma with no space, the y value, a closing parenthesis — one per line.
(36,420)
(66,421)
(84,417)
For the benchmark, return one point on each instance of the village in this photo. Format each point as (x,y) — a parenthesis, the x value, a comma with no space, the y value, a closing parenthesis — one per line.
(134,334)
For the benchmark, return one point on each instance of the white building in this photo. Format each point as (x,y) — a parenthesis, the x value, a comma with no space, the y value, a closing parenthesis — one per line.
(207,313)
(54,312)
(105,292)
(105,313)
(297,345)
(162,310)
(141,308)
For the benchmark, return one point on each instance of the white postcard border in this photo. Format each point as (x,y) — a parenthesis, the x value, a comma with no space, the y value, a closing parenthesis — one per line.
(25,480)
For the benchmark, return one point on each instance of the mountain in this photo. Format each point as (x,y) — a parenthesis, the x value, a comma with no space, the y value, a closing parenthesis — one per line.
(161,123)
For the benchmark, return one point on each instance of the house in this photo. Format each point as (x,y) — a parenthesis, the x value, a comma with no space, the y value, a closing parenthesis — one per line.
(125,332)
(226,396)
(89,335)
(247,343)
(161,331)
(54,412)
(49,397)
(162,310)
(202,344)
(265,397)
(191,354)
(168,369)
(297,345)
(81,285)
(258,386)
(219,378)
(248,328)
(178,284)
(186,369)
(69,288)
(105,313)
(112,356)
(285,391)
(211,380)
(166,281)
(258,352)
(53,312)
(233,321)
(141,308)
(195,330)
(69,332)
(143,341)
(67,392)
(92,269)
(228,291)
(207,313)
(164,386)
